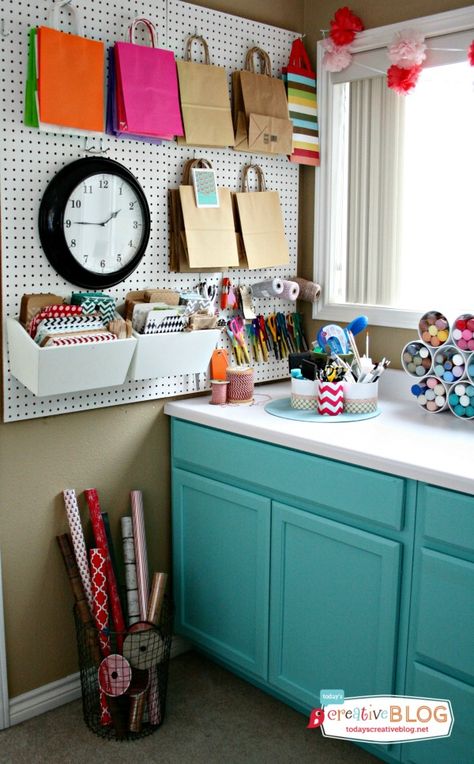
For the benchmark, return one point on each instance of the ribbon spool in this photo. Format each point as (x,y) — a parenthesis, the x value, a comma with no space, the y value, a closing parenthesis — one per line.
(115,675)
(142,647)
(309,290)
(241,385)
(219,391)
(290,291)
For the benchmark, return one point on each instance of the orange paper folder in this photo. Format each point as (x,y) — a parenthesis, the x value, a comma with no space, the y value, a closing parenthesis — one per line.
(71,80)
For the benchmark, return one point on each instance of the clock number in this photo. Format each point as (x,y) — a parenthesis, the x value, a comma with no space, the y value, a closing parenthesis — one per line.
(119,258)
(76,203)
(86,257)
(102,263)
(103,183)
(68,223)
(136,224)
(121,191)
(131,205)
(88,189)
(130,243)
(73,243)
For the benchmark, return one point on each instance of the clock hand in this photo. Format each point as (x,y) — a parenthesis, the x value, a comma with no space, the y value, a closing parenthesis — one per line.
(82,222)
(113,215)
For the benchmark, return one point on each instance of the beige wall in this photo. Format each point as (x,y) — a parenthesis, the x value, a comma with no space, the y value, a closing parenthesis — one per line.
(114,450)
(317,15)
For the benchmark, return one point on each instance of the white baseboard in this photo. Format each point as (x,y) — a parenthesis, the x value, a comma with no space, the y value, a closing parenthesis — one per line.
(63,691)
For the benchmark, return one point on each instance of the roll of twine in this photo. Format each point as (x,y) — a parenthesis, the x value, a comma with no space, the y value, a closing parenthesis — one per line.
(270,288)
(219,391)
(309,290)
(290,290)
(240,385)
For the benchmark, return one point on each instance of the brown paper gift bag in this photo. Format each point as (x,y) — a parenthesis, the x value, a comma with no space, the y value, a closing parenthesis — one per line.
(260,108)
(205,103)
(201,239)
(261,223)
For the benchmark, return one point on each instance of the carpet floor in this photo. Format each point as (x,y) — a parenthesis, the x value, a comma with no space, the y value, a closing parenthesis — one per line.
(212,717)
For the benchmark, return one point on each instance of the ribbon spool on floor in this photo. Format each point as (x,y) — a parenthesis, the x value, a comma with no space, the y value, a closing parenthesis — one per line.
(241,385)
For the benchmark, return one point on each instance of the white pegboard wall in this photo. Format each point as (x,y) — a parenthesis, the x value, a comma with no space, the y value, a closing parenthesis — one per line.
(30,159)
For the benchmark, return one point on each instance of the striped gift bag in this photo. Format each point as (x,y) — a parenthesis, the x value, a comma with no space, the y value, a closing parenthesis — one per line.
(300,83)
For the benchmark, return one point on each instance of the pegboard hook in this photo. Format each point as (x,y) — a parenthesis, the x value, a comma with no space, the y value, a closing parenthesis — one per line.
(91,150)
(2,29)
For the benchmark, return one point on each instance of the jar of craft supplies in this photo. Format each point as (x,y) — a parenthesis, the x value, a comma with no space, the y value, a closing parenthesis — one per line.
(463,332)
(449,364)
(241,384)
(219,391)
(331,398)
(124,675)
(470,367)
(417,359)
(433,328)
(461,399)
(431,394)
(304,394)
(360,397)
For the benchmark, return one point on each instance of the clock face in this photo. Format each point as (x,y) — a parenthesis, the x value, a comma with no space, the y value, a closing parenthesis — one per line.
(94,222)
(103,223)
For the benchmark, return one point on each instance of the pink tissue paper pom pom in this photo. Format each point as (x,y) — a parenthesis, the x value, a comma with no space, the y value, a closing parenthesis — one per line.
(407,50)
(470,53)
(336,57)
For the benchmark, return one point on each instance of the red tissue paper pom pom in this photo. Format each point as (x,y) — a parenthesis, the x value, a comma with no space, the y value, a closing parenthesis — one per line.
(344,26)
(402,80)
(470,53)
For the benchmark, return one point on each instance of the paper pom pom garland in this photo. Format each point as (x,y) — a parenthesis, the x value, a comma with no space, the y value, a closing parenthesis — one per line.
(336,57)
(408,49)
(402,80)
(344,27)
(470,54)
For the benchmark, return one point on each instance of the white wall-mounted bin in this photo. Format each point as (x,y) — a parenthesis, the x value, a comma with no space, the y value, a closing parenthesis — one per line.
(56,370)
(164,355)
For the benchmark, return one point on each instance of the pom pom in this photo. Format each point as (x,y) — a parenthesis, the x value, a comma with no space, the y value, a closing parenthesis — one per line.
(407,50)
(336,57)
(402,80)
(344,26)
(470,54)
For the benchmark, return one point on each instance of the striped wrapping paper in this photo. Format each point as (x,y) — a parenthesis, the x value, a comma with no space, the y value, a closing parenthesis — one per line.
(77,535)
(67,325)
(100,536)
(80,339)
(141,556)
(300,83)
(133,608)
(52,311)
(101,617)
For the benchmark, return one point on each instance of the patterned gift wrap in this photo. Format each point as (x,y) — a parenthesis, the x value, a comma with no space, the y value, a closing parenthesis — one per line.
(331,398)
(90,302)
(67,325)
(80,339)
(52,311)
(159,324)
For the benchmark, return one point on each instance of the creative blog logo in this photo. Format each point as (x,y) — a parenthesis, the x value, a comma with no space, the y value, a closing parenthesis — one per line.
(382,718)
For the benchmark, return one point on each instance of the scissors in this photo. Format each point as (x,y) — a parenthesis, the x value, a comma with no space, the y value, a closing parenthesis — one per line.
(273,327)
(236,326)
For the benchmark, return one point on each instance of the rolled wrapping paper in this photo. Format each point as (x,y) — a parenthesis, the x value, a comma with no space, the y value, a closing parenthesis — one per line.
(101,617)
(155,603)
(133,606)
(141,556)
(85,613)
(77,535)
(309,290)
(115,675)
(137,693)
(101,541)
(268,289)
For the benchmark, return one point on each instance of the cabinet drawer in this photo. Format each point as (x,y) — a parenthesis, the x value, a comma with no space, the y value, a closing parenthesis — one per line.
(447,516)
(280,472)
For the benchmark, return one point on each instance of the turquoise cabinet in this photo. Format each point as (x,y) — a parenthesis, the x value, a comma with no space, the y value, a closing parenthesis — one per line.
(334,604)
(221,569)
(300,573)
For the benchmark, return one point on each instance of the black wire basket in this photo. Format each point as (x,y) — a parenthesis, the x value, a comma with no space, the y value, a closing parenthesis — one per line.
(124,676)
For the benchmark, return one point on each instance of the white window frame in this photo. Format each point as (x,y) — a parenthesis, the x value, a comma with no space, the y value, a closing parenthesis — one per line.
(431,26)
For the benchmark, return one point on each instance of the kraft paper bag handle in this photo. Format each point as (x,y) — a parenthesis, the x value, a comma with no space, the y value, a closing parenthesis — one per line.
(53,16)
(189,45)
(202,163)
(264,61)
(261,185)
(150,27)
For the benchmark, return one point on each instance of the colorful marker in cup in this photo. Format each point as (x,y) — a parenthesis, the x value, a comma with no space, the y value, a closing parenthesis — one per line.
(463,332)
(417,359)
(461,400)
(470,367)
(433,328)
(431,394)
(449,364)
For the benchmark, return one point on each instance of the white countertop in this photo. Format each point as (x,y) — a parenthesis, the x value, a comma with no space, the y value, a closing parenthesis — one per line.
(404,440)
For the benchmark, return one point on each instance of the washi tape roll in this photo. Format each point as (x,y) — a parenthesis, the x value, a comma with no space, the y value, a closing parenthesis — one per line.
(433,328)
(133,606)
(241,385)
(463,332)
(142,646)
(115,675)
(268,289)
(417,359)
(141,556)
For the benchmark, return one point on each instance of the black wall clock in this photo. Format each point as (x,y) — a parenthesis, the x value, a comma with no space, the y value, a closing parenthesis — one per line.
(94,222)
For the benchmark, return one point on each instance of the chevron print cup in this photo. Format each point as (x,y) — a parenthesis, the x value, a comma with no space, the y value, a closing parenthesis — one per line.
(331,398)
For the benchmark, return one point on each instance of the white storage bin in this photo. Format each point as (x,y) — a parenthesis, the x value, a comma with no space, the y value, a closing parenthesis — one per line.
(164,355)
(56,370)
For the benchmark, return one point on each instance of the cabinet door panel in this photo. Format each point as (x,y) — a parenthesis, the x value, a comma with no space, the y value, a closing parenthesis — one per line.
(424,682)
(334,601)
(221,546)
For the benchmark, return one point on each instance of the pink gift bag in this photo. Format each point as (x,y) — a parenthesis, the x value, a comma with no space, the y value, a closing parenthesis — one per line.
(147,87)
